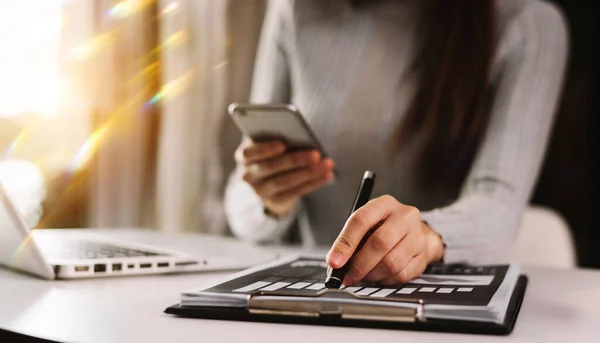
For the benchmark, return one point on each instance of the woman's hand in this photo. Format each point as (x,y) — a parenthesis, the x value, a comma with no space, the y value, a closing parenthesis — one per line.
(280,179)
(398,250)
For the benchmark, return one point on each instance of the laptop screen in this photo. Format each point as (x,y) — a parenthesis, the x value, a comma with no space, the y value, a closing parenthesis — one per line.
(23,183)
(17,248)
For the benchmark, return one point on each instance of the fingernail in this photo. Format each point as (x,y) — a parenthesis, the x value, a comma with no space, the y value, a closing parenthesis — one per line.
(315,156)
(336,259)
(329,163)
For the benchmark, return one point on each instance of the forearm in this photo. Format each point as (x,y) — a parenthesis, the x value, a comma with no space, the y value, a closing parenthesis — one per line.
(246,217)
(271,84)
(481,226)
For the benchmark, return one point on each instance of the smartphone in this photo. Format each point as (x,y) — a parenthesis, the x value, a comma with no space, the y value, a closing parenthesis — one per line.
(282,122)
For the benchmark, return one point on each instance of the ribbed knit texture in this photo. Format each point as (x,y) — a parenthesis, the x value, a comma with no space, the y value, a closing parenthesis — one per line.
(344,69)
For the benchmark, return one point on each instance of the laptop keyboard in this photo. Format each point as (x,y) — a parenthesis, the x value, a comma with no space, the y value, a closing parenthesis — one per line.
(92,250)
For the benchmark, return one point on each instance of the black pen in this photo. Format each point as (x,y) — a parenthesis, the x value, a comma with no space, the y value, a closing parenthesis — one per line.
(335,277)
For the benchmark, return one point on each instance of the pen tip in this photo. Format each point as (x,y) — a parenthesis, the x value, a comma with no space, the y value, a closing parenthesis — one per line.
(333,283)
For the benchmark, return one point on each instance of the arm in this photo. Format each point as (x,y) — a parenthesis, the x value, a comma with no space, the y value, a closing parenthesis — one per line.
(244,208)
(482,224)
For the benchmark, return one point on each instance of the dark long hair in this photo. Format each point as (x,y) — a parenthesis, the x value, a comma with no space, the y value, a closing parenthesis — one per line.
(449,110)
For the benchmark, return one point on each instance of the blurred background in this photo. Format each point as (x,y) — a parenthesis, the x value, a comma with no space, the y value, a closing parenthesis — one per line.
(113,113)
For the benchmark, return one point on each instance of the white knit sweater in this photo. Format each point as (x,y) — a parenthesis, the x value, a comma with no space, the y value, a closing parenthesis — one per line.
(343,68)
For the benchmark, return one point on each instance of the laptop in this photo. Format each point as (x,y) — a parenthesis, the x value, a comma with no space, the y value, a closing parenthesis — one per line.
(78,253)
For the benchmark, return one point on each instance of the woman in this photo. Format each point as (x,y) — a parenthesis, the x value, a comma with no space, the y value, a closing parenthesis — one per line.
(449,102)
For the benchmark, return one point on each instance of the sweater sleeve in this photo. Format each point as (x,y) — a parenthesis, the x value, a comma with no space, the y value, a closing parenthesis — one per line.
(271,84)
(481,225)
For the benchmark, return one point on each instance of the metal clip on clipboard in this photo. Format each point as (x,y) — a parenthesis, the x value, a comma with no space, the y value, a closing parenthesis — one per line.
(334,302)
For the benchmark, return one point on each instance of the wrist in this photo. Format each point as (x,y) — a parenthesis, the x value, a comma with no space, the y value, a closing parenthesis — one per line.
(279,211)
(435,246)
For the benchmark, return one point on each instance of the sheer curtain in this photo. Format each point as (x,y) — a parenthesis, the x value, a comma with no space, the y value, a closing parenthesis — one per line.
(111,61)
(156,77)
(127,78)
(197,139)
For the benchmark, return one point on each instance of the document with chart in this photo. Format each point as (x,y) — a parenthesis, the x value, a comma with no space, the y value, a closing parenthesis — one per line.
(450,292)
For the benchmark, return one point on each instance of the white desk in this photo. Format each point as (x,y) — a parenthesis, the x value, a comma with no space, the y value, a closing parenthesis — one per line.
(559,306)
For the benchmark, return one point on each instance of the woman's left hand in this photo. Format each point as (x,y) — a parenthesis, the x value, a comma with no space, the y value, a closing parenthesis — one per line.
(398,250)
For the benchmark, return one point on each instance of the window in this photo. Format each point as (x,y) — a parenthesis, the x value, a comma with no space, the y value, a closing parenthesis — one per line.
(34,142)
(29,63)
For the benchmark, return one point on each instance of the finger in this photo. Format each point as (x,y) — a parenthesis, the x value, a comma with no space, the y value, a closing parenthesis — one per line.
(361,221)
(239,152)
(261,171)
(286,182)
(411,245)
(357,225)
(413,269)
(260,151)
(377,246)
(304,189)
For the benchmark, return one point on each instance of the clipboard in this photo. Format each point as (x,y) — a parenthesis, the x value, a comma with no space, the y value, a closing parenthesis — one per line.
(261,309)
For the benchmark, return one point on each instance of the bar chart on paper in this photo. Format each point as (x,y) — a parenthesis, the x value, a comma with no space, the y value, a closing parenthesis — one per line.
(371,291)
(305,277)
(294,287)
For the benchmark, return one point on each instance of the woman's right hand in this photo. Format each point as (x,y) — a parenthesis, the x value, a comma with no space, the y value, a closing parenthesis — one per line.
(280,179)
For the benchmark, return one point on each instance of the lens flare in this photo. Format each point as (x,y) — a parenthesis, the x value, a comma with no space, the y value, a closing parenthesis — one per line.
(175,39)
(151,69)
(86,151)
(116,118)
(221,65)
(172,88)
(171,7)
(172,41)
(92,46)
(126,8)
(15,144)
(15,255)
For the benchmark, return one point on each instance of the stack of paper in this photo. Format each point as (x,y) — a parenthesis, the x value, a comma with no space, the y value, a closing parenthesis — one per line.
(454,292)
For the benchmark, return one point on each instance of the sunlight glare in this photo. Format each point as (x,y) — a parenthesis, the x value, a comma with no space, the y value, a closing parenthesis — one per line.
(24,183)
(172,6)
(29,63)
(127,7)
